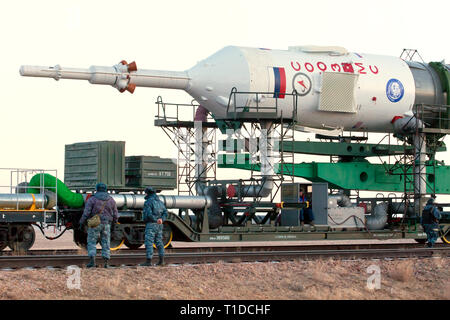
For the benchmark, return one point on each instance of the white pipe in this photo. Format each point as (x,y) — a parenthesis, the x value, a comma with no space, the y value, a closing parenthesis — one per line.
(23,201)
(342,199)
(420,173)
(377,220)
(267,167)
(136,201)
(160,79)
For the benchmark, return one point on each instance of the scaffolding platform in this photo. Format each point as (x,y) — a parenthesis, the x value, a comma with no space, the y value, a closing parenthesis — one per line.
(259,106)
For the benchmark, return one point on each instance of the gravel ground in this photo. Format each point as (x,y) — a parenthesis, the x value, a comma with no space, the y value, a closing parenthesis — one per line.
(295,280)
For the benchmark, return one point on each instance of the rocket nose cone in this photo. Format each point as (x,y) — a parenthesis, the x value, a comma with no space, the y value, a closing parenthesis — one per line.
(211,82)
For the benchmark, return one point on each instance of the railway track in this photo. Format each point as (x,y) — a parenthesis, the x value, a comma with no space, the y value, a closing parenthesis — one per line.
(229,248)
(47,258)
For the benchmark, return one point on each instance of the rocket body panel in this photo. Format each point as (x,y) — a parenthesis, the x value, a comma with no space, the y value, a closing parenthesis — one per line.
(259,70)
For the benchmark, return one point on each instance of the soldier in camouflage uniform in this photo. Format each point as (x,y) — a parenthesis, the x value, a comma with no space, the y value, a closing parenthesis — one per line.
(154,214)
(102,202)
(430,222)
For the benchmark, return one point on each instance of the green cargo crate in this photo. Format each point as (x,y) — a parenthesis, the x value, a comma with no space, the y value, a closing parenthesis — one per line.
(87,163)
(143,171)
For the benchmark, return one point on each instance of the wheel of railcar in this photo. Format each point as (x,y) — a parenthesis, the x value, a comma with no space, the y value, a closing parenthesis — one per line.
(133,246)
(80,238)
(167,235)
(21,238)
(445,236)
(3,237)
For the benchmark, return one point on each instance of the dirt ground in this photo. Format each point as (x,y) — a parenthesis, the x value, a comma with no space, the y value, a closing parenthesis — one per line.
(295,280)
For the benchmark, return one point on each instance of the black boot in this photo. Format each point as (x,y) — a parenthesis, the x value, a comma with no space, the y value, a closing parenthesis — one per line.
(106,265)
(161,261)
(147,263)
(91,263)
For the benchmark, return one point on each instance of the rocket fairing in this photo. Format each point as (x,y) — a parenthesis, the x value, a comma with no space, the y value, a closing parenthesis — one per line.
(335,89)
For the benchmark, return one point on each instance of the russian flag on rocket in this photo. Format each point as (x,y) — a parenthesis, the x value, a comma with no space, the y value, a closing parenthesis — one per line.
(280,82)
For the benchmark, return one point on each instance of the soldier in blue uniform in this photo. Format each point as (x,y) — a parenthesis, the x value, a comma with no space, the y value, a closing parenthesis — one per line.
(154,214)
(430,222)
(100,202)
(306,214)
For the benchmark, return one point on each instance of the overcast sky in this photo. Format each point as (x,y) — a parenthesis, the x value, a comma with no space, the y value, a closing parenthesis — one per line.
(40,116)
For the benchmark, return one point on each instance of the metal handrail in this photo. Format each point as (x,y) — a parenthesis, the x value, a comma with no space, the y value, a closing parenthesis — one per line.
(165,107)
(269,95)
(21,175)
(433,115)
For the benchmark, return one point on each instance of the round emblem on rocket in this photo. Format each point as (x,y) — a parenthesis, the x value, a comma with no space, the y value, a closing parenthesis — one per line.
(394,90)
(302,84)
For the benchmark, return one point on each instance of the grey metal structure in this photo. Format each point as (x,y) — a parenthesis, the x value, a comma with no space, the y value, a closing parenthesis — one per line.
(428,86)
(290,193)
(143,171)
(320,203)
(88,163)
(195,141)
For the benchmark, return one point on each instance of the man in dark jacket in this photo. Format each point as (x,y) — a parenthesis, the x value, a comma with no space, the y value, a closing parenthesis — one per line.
(154,214)
(100,202)
(306,214)
(430,222)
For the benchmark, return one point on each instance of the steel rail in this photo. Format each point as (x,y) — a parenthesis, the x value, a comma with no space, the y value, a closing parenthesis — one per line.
(231,248)
(132,259)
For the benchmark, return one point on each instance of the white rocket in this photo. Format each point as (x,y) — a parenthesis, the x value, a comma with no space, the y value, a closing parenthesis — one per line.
(334,88)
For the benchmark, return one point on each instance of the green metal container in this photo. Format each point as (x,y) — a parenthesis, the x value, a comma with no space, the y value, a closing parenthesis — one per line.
(88,163)
(143,171)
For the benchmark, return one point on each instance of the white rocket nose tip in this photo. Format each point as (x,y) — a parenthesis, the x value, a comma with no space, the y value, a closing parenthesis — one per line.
(22,70)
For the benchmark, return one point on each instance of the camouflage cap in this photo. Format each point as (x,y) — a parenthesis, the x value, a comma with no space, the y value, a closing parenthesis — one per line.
(149,190)
(101,187)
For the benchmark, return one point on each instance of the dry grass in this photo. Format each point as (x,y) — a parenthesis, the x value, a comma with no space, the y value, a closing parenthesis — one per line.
(325,279)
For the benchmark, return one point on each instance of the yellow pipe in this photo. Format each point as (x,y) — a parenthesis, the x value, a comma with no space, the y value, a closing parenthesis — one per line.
(445,240)
(33,205)
(118,247)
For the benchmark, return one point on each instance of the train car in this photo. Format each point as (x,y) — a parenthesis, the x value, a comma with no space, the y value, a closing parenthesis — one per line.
(190,218)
